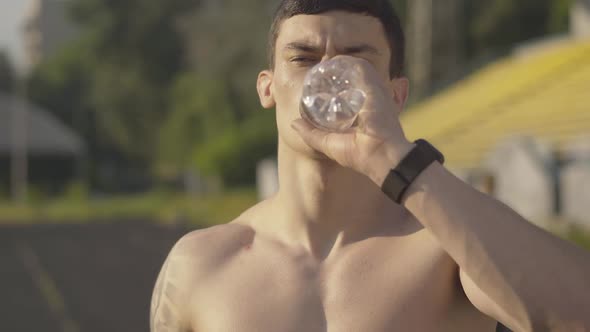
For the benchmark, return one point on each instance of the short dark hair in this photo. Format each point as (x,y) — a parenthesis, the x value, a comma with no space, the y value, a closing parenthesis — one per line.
(380,9)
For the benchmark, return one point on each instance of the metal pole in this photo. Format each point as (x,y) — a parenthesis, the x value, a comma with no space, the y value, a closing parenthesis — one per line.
(19,156)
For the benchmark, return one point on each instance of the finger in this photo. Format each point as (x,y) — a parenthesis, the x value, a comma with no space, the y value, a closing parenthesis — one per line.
(314,137)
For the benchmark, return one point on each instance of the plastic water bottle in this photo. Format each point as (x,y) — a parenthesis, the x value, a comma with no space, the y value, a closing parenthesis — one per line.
(331,99)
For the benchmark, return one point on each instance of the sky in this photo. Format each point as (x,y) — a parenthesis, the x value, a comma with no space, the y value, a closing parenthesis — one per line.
(11,17)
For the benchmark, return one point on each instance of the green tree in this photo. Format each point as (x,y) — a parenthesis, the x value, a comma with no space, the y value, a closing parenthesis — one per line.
(201,111)
(499,24)
(113,83)
(137,53)
(227,42)
(559,16)
(62,85)
(234,153)
(170,85)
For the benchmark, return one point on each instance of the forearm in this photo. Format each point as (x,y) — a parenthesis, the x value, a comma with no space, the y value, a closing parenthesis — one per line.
(525,270)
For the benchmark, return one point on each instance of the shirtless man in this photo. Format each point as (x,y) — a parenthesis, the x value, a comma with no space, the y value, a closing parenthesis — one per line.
(331,252)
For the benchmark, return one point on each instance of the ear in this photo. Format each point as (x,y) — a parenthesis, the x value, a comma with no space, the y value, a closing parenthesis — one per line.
(265,91)
(401,91)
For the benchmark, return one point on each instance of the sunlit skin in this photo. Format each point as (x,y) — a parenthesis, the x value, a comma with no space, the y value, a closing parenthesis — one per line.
(330,252)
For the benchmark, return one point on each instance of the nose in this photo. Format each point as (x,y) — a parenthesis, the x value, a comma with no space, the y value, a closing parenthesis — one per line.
(330,51)
(327,56)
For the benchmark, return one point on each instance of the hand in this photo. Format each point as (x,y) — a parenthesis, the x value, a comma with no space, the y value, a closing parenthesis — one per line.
(376,144)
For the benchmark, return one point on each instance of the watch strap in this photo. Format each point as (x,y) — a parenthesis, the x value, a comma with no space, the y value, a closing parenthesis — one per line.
(399,179)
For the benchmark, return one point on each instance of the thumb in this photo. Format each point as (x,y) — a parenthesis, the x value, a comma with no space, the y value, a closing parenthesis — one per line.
(301,126)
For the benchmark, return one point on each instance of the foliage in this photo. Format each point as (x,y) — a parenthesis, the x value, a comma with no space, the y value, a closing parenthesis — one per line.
(578,236)
(215,105)
(137,55)
(112,84)
(200,111)
(559,13)
(234,153)
(126,88)
(62,85)
(499,24)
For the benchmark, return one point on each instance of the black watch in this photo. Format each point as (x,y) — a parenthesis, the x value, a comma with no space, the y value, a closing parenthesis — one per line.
(399,179)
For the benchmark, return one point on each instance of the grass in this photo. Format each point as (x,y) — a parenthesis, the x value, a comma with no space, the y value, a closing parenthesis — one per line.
(579,237)
(170,208)
(163,207)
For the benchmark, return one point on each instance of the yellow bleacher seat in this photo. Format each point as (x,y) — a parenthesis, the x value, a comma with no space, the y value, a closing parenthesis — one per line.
(546,95)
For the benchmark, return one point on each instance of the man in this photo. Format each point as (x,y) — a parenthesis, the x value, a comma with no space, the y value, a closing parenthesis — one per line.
(332,252)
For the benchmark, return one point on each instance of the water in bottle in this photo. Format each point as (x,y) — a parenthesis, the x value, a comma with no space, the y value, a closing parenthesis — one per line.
(331,99)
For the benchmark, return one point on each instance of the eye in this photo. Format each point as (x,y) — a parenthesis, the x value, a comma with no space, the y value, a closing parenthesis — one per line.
(302,60)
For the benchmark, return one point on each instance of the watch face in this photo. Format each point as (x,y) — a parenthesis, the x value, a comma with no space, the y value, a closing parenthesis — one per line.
(431,149)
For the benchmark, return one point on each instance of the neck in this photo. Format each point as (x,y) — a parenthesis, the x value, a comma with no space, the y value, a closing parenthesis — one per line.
(322,205)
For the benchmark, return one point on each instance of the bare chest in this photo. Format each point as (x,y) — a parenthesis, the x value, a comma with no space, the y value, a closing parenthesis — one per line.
(365,290)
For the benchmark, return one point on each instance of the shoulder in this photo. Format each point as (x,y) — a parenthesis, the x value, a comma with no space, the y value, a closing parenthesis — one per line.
(194,256)
(206,248)
(224,235)
(202,251)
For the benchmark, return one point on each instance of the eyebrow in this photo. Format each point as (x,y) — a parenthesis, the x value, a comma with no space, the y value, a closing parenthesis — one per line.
(310,48)
(362,48)
(303,46)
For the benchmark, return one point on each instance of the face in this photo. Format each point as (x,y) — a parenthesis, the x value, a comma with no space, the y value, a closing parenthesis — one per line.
(305,40)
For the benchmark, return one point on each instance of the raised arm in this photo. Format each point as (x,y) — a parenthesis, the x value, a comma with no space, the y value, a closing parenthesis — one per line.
(512,270)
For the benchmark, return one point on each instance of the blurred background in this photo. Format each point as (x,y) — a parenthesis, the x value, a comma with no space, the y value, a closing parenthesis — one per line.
(125,124)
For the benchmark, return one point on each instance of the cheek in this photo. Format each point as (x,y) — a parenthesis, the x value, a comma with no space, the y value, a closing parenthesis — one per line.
(289,86)
(287,89)
(287,92)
